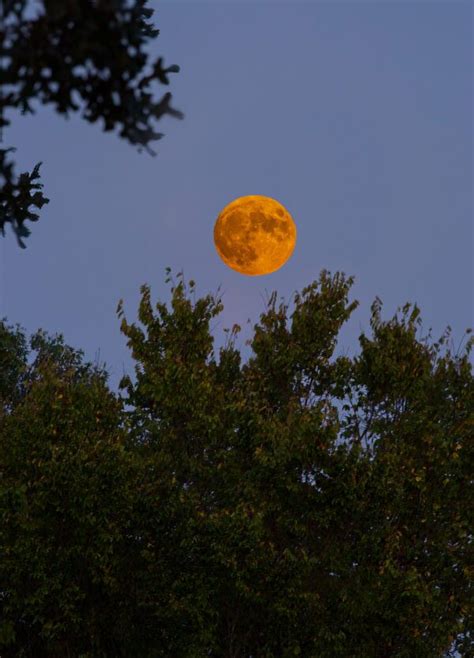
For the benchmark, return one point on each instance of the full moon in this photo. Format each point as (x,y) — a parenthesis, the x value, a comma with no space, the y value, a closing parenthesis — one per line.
(254,235)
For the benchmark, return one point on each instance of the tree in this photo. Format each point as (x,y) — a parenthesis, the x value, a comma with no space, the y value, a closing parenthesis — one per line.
(298,504)
(321,534)
(71,52)
(65,492)
(13,354)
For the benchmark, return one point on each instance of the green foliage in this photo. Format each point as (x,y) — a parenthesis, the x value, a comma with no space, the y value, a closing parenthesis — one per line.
(70,53)
(301,504)
(65,498)
(13,354)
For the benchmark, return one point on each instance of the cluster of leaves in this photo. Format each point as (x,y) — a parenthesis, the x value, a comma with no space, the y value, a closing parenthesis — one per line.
(300,504)
(16,197)
(73,52)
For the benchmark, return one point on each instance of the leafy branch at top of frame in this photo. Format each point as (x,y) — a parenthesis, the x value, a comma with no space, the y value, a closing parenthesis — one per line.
(74,54)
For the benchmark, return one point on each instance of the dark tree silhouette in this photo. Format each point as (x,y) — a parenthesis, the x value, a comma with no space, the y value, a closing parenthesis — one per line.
(76,54)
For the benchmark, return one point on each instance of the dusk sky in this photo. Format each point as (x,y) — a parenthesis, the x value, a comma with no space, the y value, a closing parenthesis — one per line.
(356,116)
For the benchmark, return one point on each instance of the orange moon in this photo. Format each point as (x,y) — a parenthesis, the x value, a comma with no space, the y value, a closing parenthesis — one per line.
(254,235)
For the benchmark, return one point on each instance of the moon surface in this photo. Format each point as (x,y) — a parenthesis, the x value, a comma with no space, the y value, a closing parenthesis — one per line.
(254,235)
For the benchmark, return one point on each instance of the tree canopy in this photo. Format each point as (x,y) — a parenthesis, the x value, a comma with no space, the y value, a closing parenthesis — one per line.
(300,504)
(76,54)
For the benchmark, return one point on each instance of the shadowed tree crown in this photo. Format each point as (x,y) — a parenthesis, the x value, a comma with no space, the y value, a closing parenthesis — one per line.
(302,504)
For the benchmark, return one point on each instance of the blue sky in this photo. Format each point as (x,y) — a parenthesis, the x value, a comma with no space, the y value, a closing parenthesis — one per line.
(357,116)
